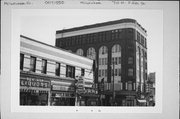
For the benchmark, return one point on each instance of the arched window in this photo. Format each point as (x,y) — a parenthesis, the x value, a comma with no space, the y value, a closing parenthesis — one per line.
(91,53)
(103,61)
(79,52)
(103,50)
(116,48)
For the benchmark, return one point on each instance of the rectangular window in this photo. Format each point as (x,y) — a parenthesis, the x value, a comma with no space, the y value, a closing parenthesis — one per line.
(102,72)
(113,60)
(130,72)
(70,71)
(129,86)
(116,70)
(57,69)
(99,73)
(134,86)
(138,37)
(116,34)
(32,63)
(105,61)
(119,72)
(102,61)
(112,72)
(126,86)
(113,34)
(130,60)
(119,60)
(142,40)
(21,61)
(116,60)
(105,72)
(99,61)
(82,72)
(44,66)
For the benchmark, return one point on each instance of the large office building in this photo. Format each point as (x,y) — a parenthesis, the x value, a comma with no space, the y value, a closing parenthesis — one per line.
(119,51)
(48,75)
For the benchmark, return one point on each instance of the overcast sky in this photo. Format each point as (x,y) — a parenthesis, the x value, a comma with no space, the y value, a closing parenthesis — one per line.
(42,26)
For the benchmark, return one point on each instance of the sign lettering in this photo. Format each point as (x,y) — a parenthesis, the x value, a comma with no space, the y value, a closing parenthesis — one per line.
(31,82)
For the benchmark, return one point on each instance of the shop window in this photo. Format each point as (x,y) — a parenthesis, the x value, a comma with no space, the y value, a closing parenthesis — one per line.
(70,71)
(82,72)
(130,72)
(130,60)
(44,66)
(21,61)
(32,64)
(57,69)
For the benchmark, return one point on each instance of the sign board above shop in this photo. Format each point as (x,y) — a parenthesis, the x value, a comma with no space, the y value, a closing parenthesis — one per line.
(62,88)
(33,82)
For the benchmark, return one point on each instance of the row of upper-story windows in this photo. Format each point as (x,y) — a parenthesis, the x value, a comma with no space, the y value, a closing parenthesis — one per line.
(91,38)
(141,39)
(120,86)
(103,50)
(70,70)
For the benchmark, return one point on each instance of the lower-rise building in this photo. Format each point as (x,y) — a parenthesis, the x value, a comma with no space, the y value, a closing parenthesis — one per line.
(48,74)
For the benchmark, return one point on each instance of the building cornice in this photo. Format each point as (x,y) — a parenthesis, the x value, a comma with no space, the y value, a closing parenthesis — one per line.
(106,26)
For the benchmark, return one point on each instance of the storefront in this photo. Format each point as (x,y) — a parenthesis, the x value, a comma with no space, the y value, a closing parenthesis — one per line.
(62,95)
(34,91)
(89,98)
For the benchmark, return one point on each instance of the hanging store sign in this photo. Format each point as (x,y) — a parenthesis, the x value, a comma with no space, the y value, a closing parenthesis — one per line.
(62,88)
(33,82)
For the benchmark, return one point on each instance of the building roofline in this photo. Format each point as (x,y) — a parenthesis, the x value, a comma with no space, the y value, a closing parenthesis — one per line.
(126,20)
(52,46)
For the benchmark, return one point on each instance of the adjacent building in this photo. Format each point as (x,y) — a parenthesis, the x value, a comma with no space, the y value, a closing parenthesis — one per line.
(151,89)
(119,51)
(48,75)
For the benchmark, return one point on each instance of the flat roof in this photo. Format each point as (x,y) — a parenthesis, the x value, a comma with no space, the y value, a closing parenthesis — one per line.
(52,46)
(126,20)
